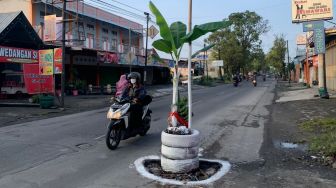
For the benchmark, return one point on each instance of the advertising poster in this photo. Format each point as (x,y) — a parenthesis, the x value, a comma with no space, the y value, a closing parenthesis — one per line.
(309,10)
(36,83)
(46,62)
(58,61)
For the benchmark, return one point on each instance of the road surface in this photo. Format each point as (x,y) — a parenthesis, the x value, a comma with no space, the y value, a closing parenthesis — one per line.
(70,151)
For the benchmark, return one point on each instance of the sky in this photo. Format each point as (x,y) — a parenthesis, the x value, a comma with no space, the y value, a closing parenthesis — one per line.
(277,12)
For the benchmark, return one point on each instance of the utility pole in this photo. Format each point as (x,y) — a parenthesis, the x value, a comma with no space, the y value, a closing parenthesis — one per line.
(325,94)
(220,67)
(63,54)
(206,62)
(189,69)
(146,53)
(129,50)
(289,71)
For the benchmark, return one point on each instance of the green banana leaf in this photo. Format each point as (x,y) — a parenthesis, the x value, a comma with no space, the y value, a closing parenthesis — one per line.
(200,30)
(163,45)
(178,30)
(165,32)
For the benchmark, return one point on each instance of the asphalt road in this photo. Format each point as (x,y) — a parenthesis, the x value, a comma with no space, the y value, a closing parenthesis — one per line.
(70,151)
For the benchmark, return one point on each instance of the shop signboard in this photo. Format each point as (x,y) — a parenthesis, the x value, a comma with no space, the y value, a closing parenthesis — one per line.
(107,57)
(218,63)
(311,26)
(18,55)
(58,68)
(36,83)
(46,62)
(308,10)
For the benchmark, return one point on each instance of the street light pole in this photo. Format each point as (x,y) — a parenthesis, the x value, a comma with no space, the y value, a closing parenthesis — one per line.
(189,69)
(146,53)
(63,54)
(289,70)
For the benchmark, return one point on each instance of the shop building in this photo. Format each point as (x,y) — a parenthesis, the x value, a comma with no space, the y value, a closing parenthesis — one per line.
(19,45)
(100,45)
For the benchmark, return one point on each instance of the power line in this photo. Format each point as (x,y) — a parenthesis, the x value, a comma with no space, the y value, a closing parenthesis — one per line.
(124,11)
(131,7)
(114,8)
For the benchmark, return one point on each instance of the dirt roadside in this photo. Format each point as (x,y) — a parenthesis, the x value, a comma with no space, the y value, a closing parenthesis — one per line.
(285,167)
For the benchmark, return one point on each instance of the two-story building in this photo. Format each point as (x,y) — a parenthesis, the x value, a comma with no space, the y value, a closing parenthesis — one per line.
(100,45)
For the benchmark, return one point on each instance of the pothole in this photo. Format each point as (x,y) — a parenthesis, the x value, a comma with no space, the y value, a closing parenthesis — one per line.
(209,171)
(83,146)
(290,145)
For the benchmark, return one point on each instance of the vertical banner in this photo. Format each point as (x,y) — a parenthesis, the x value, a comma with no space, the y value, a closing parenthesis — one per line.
(49,28)
(36,83)
(58,68)
(46,62)
(319,41)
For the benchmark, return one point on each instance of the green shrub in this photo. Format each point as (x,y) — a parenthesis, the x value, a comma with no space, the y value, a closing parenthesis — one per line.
(204,81)
(36,99)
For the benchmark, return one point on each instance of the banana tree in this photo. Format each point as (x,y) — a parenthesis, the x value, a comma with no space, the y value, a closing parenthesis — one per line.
(173,38)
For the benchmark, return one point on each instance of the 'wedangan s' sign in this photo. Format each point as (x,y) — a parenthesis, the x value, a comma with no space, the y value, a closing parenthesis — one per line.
(18,55)
(309,10)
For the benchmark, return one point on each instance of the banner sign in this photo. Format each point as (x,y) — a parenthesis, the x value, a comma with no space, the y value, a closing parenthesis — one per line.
(308,10)
(18,55)
(218,63)
(49,28)
(58,68)
(106,57)
(36,83)
(301,39)
(46,62)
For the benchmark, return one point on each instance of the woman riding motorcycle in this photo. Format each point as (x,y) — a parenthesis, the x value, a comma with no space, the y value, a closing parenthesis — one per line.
(135,92)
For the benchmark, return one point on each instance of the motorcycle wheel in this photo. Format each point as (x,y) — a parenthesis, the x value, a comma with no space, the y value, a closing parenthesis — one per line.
(113,137)
(144,131)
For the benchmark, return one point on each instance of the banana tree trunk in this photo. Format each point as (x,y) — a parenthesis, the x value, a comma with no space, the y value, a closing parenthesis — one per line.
(175,84)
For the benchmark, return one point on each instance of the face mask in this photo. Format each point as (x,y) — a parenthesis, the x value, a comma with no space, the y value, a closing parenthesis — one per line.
(133,81)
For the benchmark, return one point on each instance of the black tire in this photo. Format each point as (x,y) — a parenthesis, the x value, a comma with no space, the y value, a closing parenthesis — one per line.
(113,136)
(144,131)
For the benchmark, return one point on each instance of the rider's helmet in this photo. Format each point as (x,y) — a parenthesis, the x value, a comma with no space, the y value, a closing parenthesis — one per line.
(134,76)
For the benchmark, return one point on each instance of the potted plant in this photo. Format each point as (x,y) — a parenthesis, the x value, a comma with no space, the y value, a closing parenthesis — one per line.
(179,150)
(76,87)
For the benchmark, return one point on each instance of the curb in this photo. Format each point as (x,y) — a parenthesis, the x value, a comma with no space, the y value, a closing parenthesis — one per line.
(18,105)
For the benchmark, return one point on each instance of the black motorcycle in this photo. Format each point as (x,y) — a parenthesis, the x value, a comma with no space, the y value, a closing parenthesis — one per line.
(119,128)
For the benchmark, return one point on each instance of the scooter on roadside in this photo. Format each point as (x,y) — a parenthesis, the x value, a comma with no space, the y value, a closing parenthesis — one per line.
(235,82)
(119,128)
(254,82)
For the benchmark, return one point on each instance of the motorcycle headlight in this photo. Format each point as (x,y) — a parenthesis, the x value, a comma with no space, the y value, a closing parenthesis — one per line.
(113,114)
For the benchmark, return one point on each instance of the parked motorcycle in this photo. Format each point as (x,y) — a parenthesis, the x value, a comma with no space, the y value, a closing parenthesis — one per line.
(235,83)
(254,82)
(119,128)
